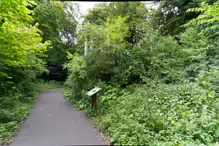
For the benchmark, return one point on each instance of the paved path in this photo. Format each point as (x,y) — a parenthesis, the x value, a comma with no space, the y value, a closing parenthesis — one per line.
(54,122)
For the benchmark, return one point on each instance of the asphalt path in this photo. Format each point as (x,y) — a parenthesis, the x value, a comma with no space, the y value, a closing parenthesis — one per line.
(54,122)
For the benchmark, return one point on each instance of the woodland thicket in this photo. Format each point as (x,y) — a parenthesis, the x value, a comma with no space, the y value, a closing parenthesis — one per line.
(25,56)
(160,81)
(158,68)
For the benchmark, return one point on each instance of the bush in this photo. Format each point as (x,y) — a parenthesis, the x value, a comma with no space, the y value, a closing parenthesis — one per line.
(160,90)
(162,115)
(16,107)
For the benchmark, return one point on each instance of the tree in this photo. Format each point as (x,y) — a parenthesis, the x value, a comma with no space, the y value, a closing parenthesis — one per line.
(96,16)
(58,23)
(171,15)
(106,44)
(22,50)
(136,12)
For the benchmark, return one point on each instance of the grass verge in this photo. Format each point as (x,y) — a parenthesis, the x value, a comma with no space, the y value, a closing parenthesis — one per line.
(13,110)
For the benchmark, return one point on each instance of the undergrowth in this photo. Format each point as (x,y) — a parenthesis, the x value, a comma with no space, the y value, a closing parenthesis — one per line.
(159,91)
(161,114)
(16,107)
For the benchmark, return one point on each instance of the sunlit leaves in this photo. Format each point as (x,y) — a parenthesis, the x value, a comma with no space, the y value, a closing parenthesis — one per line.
(116,33)
(210,14)
(21,45)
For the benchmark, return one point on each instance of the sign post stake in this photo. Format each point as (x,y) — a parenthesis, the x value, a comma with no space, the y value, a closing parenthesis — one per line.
(94,101)
(93,94)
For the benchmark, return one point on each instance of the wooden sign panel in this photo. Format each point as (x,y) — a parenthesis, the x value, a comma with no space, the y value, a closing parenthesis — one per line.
(93,91)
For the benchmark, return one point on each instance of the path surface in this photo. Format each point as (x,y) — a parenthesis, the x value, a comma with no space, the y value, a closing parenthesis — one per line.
(54,122)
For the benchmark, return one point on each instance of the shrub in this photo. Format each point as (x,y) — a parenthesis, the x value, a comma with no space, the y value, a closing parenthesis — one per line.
(162,115)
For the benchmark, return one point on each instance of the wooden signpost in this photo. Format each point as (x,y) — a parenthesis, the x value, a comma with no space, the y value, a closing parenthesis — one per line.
(93,94)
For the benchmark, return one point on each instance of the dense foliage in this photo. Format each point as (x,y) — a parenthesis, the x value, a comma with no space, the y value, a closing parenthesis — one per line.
(159,70)
(57,22)
(22,61)
(157,90)
(21,48)
(171,15)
